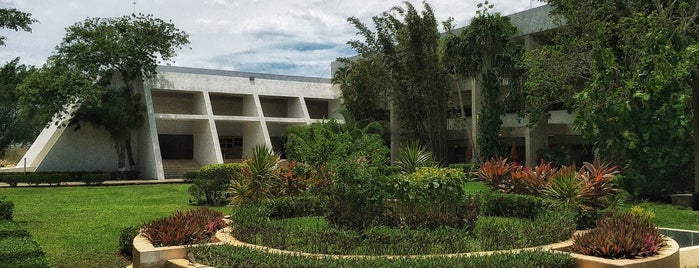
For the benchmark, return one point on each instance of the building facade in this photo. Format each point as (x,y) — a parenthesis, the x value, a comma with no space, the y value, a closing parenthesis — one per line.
(194,117)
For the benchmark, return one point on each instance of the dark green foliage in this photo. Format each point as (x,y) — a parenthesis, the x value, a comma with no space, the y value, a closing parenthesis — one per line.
(404,51)
(184,228)
(620,236)
(296,206)
(513,205)
(350,169)
(15,126)
(467,168)
(432,197)
(93,178)
(18,249)
(231,256)
(496,233)
(249,220)
(14,19)
(190,176)
(486,51)
(126,241)
(123,175)
(212,182)
(638,73)
(6,209)
(56,178)
(97,65)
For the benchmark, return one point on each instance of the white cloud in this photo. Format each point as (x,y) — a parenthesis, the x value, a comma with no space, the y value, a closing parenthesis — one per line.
(299,37)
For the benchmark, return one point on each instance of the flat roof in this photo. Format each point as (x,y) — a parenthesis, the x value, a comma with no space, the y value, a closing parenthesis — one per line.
(190,70)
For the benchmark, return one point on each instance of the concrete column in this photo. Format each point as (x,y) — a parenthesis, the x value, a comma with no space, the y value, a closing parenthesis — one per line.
(205,139)
(150,162)
(296,108)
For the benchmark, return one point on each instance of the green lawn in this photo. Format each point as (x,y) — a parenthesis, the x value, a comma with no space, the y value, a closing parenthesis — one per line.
(79,226)
(669,216)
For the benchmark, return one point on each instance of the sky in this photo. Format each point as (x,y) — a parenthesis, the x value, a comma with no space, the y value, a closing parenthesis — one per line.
(290,37)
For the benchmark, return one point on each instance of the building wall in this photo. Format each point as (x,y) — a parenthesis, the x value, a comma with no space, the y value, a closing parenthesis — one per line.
(87,149)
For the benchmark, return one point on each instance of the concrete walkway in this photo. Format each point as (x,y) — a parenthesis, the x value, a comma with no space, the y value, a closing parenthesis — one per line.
(105,183)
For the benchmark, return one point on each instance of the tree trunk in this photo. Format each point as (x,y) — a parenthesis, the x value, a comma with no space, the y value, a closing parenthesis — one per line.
(695,130)
(129,151)
(121,163)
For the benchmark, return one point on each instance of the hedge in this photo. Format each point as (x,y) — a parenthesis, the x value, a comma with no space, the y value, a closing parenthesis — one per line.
(232,256)
(56,178)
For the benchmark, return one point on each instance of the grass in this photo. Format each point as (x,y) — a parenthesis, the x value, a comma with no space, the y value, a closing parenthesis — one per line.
(669,216)
(80,226)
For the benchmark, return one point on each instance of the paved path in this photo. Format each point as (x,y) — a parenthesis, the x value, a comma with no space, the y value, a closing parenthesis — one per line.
(106,183)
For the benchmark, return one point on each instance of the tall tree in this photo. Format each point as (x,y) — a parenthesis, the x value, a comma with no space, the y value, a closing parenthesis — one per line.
(95,69)
(486,51)
(15,20)
(13,126)
(405,43)
(640,73)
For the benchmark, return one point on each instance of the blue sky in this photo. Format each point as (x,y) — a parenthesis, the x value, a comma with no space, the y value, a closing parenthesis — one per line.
(294,37)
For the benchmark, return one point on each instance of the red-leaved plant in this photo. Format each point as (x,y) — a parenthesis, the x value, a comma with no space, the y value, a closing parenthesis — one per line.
(620,236)
(183,228)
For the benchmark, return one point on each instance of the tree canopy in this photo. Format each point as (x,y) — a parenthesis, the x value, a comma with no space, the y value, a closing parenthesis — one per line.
(15,20)
(635,73)
(93,72)
(403,46)
(486,51)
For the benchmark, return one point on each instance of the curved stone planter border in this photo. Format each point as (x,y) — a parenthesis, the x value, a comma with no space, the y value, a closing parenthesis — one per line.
(147,256)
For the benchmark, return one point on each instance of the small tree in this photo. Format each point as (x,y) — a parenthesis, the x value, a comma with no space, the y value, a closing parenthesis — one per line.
(96,67)
(486,51)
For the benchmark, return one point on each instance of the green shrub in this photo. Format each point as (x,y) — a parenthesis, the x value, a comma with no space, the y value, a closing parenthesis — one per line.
(94,178)
(232,256)
(126,237)
(350,167)
(212,182)
(6,209)
(259,178)
(432,197)
(190,176)
(414,156)
(297,206)
(184,228)
(496,233)
(512,205)
(124,175)
(466,168)
(249,220)
(620,236)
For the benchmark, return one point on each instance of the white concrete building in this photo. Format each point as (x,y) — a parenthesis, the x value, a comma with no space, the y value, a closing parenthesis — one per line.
(194,117)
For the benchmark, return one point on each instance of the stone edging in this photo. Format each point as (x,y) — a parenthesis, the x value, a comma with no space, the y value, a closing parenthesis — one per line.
(149,256)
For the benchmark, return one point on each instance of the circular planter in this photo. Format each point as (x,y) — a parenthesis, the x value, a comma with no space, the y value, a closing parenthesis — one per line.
(669,256)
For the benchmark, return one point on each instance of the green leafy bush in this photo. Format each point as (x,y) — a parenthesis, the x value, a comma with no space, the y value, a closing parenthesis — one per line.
(495,233)
(94,178)
(350,163)
(232,256)
(432,197)
(184,228)
(212,182)
(296,206)
(126,237)
(620,236)
(512,205)
(249,220)
(124,175)
(6,209)
(467,168)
